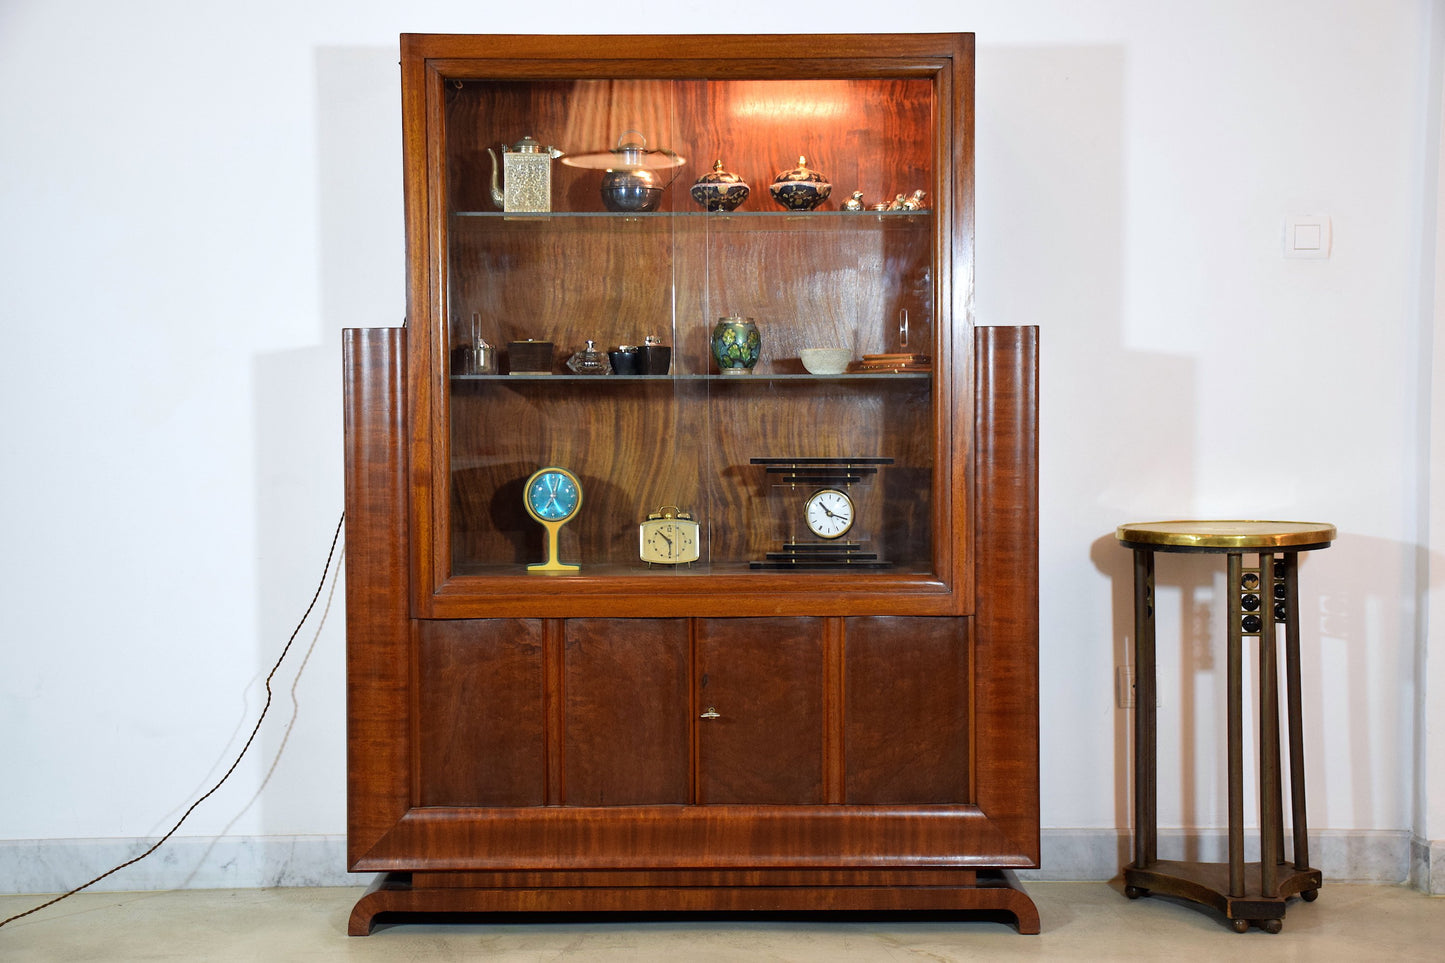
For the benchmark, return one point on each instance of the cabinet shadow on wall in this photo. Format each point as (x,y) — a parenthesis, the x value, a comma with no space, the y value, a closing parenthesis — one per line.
(355,277)
(1053,201)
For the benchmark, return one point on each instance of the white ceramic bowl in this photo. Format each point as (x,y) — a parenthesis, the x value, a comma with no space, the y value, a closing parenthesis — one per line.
(826,361)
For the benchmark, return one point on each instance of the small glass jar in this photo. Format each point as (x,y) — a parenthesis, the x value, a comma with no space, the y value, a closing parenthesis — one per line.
(589,361)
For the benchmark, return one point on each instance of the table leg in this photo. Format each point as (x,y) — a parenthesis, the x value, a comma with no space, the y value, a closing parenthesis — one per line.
(1275,574)
(1293,701)
(1235,727)
(1146,777)
(1269,794)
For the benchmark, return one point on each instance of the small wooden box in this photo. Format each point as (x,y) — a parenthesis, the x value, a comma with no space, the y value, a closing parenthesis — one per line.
(529,357)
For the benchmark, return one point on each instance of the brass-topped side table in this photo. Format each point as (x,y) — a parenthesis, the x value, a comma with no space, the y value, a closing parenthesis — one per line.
(1260,599)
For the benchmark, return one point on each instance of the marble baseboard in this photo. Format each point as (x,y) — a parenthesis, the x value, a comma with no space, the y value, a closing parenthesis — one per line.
(189,862)
(1342,855)
(258,862)
(1427,865)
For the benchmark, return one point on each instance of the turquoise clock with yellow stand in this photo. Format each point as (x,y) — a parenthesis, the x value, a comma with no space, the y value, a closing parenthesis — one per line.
(552,496)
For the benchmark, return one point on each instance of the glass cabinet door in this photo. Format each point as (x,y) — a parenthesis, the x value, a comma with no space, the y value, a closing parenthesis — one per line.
(591,312)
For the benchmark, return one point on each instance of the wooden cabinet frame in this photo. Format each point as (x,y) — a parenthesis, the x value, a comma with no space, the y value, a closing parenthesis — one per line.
(445,845)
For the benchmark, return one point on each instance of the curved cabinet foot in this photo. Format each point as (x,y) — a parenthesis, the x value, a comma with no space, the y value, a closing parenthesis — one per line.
(380,897)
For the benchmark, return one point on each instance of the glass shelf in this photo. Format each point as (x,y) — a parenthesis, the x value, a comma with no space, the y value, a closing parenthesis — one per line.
(701,570)
(716,217)
(699,222)
(728,379)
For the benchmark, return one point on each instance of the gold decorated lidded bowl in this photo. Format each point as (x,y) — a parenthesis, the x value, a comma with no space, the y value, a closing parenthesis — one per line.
(720,189)
(802,188)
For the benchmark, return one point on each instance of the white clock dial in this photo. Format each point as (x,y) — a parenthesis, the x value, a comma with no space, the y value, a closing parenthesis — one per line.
(663,542)
(829,513)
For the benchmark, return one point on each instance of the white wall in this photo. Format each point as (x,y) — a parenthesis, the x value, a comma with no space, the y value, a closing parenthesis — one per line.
(197,198)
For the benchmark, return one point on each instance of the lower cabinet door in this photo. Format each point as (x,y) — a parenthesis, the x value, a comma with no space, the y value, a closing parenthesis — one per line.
(480,710)
(906,710)
(760,711)
(625,685)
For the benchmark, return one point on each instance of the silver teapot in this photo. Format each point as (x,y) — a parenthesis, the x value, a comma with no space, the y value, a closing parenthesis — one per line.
(528,168)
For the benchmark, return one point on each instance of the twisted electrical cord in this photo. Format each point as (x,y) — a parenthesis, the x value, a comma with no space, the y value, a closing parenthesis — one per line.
(252,738)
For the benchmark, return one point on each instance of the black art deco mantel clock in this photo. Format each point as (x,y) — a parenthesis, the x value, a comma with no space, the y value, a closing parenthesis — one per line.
(817,692)
(815,499)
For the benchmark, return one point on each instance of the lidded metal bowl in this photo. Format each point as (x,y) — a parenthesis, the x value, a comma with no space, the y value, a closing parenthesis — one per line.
(719,189)
(802,188)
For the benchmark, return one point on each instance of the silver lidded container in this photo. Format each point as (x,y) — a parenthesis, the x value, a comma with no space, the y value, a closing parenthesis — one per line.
(527,166)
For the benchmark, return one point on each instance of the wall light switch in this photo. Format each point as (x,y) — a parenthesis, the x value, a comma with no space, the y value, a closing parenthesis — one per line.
(1307,235)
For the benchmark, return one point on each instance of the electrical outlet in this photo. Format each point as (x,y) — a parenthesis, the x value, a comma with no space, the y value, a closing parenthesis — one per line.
(1124,685)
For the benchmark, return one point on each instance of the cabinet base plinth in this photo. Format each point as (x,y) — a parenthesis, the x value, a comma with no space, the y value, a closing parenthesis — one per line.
(401,895)
(1208,883)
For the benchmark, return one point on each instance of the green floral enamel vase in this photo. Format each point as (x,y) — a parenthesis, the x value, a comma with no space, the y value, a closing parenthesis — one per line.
(736,345)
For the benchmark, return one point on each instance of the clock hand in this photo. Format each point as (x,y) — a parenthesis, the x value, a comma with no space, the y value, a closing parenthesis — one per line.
(665,539)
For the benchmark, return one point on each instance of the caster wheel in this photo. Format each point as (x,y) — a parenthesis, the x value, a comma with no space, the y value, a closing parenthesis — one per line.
(1310,895)
(1271,926)
(1239,925)
(1134,892)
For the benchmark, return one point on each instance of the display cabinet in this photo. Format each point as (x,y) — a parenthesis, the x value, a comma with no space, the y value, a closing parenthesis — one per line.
(643,612)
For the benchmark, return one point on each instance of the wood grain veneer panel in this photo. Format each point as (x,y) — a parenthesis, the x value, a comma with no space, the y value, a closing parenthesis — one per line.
(378,627)
(1006,650)
(907,710)
(763,836)
(696,877)
(764,678)
(482,713)
(627,701)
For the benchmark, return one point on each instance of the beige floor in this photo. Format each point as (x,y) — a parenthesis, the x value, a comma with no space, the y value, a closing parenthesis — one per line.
(1081,921)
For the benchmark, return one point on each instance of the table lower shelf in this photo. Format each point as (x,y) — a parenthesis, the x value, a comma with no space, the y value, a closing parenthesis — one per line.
(1208,883)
